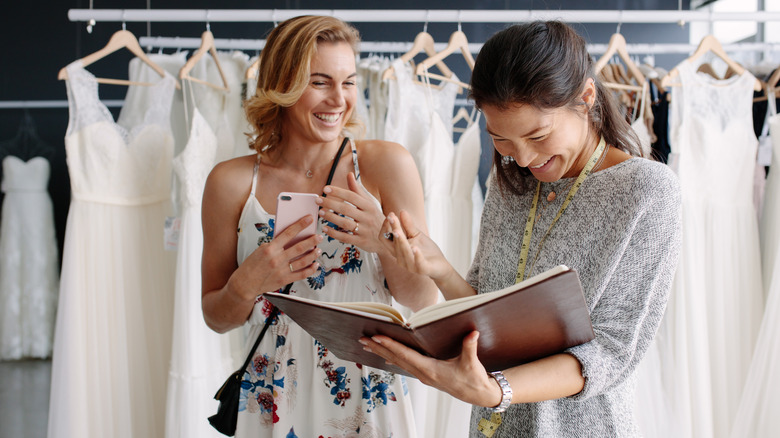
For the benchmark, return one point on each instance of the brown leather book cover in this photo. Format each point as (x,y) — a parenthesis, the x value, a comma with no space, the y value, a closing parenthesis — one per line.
(536,318)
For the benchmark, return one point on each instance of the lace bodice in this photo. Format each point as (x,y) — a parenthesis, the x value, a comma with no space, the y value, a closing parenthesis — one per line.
(714,136)
(112,163)
(193,164)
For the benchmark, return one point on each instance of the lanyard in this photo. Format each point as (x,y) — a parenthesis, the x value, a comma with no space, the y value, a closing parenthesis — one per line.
(529,224)
(489,427)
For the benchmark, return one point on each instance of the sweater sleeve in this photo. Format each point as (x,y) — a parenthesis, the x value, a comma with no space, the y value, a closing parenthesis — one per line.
(630,308)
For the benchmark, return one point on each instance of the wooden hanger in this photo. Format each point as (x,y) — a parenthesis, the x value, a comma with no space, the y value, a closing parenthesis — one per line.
(251,72)
(423,42)
(462,114)
(708,44)
(458,41)
(119,40)
(617,46)
(206,46)
(707,68)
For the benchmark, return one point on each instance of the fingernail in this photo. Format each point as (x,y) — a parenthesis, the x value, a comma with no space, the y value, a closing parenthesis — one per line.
(321,213)
(391,219)
(367,349)
(327,189)
(318,200)
(362,342)
(375,339)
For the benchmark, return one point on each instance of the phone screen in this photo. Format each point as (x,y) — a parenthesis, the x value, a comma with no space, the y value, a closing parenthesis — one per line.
(291,206)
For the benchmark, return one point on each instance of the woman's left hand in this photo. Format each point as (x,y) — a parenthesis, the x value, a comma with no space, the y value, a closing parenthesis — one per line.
(464,377)
(358,219)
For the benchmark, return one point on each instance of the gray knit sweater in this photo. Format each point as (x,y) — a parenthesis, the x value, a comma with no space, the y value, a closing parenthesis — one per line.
(622,233)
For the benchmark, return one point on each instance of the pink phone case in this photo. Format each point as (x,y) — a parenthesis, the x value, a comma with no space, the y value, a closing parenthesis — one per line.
(290,207)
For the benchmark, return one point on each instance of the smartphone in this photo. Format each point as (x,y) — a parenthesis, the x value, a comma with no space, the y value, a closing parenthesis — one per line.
(290,207)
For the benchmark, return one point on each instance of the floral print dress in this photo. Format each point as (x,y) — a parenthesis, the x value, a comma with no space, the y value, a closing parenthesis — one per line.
(294,386)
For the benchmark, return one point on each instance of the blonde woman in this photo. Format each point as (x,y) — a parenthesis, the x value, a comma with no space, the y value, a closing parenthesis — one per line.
(301,112)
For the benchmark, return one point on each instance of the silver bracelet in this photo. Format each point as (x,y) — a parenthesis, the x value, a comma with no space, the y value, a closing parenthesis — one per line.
(506,391)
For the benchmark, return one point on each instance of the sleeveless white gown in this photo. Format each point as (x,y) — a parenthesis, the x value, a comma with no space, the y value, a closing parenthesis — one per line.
(28,267)
(419,118)
(112,340)
(711,323)
(769,225)
(200,358)
(760,402)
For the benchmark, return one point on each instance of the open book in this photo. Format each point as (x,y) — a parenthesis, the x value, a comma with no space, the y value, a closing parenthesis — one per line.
(535,318)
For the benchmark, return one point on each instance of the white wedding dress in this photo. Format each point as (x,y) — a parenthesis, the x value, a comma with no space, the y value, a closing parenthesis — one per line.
(706,339)
(416,115)
(112,340)
(200,358)
(28,267)
(760,402)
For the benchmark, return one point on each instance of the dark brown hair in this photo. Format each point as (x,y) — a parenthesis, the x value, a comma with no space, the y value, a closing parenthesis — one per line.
(544,64)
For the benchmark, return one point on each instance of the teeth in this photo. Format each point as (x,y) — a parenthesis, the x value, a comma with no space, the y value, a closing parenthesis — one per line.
(330,118)
(536,167)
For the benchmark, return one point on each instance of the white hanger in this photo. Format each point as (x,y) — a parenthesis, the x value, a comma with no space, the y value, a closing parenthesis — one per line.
(423,42)
(206,46)
(120,39)
(708,44)
(617,45)
(458,41)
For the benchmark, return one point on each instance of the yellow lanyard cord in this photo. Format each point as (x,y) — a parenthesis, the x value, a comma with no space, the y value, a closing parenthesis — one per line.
(489,427)
(529,224)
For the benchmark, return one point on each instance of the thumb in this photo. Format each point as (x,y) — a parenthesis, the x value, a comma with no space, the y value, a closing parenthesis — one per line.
(352,183)
(470,344)
(407,223)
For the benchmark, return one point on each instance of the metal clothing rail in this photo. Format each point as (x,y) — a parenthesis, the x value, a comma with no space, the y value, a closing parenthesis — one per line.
(402,47)
(417,15)
(19,104)
(250,44)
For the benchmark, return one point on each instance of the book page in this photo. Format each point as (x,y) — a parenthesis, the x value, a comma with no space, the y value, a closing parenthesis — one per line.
(373,310)
(451,307)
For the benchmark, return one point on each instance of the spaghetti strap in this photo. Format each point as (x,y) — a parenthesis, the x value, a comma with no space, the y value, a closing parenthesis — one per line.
(354,159)
(254,175)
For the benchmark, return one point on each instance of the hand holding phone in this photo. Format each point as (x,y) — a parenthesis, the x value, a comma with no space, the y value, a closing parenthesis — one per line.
(292,206)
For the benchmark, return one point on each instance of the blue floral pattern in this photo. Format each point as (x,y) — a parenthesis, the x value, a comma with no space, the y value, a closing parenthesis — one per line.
(294,385)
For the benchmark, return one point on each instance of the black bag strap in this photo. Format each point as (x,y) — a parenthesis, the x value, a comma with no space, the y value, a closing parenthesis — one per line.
(286,290)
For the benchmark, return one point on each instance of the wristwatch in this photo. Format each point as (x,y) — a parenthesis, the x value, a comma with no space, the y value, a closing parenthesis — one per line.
(506,391)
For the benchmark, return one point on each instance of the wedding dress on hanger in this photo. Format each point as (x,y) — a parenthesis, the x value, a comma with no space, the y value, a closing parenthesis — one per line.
(757,413)
(416,116)
(710,327)
(759,404)
(769,228)
(112,340)
(29,266)
(201,357)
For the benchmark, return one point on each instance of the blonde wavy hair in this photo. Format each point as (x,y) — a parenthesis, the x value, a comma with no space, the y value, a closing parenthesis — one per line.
(284,72)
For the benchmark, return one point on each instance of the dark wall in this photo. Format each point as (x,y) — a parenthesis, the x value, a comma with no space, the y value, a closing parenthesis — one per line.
(40,40)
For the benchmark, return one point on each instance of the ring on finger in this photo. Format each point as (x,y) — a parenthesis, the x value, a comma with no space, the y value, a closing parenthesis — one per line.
(355,230)
(291,268)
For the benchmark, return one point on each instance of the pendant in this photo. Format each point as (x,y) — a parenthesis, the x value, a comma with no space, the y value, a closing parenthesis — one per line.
(551,197)
(309,174)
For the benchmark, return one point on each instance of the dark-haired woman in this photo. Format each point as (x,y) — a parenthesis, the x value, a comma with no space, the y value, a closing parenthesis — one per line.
(557,136)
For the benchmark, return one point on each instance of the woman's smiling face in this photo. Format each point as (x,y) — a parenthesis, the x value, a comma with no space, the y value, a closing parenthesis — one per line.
(551,143)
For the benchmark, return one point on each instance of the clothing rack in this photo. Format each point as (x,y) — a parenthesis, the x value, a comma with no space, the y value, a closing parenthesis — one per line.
(161,42)
(404,15)
(20,104)
(417,16)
